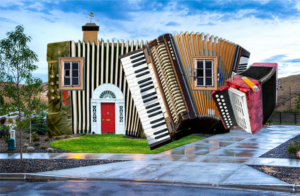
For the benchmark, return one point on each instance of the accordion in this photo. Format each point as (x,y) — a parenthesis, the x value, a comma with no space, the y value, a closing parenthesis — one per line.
(164,83)
(240,104)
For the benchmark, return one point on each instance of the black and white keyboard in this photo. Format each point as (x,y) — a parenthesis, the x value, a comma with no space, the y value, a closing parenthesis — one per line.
(146,96)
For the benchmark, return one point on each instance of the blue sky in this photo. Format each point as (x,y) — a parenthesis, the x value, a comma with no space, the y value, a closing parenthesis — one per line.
(268,29)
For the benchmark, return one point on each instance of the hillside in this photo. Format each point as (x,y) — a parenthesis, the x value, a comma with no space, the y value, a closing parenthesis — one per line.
(43,96)
(283,101)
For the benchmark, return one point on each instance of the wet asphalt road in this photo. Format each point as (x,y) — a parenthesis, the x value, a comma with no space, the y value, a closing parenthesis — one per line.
(16,188)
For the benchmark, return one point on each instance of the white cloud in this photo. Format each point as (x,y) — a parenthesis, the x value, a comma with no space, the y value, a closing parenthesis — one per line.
(263,39)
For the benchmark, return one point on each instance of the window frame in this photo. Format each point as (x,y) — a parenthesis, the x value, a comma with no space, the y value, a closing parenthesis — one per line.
(62,73)
(214,75)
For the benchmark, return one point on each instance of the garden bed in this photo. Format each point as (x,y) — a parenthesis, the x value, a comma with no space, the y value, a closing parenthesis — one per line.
(289,175)
(37,149)
(281,150)
(42,165)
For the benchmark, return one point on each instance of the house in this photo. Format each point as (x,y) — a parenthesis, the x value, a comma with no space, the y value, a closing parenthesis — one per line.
(88,91)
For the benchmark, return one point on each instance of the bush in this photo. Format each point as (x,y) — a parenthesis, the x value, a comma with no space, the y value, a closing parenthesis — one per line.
(10,120)
(35,137)
(37,143)
(67,136)
(1,100)
(24,123)
(2,120)
(6,138)
(292,149)
(43,147)
(47,139)
(27,137)
(4,130)
(38,125)
(83,134)
(57,137)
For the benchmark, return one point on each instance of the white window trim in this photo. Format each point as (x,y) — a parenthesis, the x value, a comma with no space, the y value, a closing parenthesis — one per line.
(204,74)
(71,76)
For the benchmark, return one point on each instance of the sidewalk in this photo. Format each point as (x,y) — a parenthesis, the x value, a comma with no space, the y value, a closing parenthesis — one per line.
(221,160)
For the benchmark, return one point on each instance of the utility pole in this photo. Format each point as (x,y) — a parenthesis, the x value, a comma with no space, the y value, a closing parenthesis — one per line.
(290,99)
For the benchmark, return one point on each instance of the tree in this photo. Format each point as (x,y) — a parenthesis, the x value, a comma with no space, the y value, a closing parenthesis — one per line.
(16,66)
(298,102)
(29,95)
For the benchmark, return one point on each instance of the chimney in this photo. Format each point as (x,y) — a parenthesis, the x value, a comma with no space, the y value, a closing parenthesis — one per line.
(90,32)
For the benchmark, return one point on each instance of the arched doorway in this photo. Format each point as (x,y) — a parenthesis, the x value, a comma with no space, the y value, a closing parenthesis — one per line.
(107,110)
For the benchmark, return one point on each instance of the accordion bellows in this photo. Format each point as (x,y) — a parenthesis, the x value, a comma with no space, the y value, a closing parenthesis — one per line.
(171,80)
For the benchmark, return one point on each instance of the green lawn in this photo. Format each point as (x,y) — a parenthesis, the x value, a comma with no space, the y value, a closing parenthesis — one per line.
(111,143)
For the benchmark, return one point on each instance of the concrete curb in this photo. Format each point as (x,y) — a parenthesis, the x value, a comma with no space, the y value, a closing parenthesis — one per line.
(265,187)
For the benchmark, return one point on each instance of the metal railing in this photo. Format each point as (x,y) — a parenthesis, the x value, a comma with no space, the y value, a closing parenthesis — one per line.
(285,118)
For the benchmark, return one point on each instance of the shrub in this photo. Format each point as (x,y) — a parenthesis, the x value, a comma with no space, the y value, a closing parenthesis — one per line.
(67,136)
(4,130)
(292,149)
(35,136)
(37,143)
(1,100)
(57,137)
(38,125)
(10,120)
(47,139)
(27,137)
(43,147)
(6,137)
(3,120)
(83,134)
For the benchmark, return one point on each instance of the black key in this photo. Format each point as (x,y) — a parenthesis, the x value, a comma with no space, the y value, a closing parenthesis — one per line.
(151,106)
(148,95)
(136,60)
(157,120)
(158,108)
(138,64)
(146,89)
(144,80)
(142,74)
(146,84)
(150,99)
(154,114)
(163,135)
(137,55)
(140,70)
(158,125)
(160,131)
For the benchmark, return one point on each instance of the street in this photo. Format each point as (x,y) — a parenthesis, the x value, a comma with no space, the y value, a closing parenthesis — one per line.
(73,188)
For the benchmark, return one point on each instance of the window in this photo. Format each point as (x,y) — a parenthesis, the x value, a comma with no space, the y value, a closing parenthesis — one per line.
(204,73)
(71,74)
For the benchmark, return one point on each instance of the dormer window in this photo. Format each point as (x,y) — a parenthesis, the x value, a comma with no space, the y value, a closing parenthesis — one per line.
(71,73)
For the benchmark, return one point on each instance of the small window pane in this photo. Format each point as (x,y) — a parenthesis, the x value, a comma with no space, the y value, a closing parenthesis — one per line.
(67,81)
(199,81)
(75,73)
(67,73)
(75,65)
(67,65)
(200,72)
(75,81)
(208,73)
(208,81)
(208,64)
(200,64)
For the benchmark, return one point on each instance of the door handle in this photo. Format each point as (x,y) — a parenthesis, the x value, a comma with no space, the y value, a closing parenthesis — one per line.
(102,119)
(107,119)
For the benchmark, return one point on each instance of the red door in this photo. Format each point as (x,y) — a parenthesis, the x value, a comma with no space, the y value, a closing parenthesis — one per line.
(108,117)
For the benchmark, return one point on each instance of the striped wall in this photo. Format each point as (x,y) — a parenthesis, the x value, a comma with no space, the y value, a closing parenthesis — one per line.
(195,44)
(102,65)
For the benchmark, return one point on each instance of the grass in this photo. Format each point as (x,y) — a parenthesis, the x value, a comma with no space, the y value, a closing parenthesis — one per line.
(111,143)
